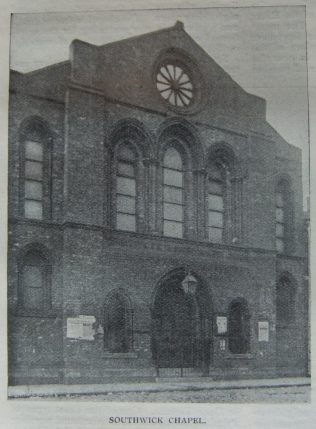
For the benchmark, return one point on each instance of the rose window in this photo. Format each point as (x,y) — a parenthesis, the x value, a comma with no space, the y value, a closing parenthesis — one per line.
(174,85)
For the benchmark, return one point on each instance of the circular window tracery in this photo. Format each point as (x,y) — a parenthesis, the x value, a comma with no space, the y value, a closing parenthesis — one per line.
(175,85)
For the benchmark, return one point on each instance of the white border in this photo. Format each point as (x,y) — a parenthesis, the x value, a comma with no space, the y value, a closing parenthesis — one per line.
(73,414)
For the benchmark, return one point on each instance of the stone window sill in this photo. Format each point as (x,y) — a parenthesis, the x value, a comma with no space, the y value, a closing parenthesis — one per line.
(240,356)
(128,355)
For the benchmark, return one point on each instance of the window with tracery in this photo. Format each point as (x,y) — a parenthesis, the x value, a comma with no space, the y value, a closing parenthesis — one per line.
(280,223)
(33,179)
(126,189)
(175,85)
(173,194)
(35,171)
(216,190)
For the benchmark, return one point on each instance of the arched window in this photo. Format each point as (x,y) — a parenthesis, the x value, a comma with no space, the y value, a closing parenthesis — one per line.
(283,217)
(126,189)
(118,332)
(280,222)
(285,301)
(224,196)
(35,171)
(173,194)
(216,202)
(35,282)
(239,327)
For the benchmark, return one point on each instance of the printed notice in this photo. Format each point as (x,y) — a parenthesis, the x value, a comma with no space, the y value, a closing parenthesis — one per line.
(80,327)
(263,331)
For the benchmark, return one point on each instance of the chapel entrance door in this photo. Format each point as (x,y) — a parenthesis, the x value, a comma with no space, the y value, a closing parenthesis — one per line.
(180,332)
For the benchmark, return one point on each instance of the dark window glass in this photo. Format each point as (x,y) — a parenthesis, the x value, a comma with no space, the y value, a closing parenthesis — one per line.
(126,186)
(34,151)
(33,180)
(34,170)
(173,177)
(215,219)
(215,202)
(279,214)
(215,207)
(126,222)
(172,159)
(215,234)
(33,209)
(280,223)
(33,190)
(126,189)
(279,199)
(173,207)
(125,169)
(279,245)
(173,212)
(173,195)
(279,230)
(173,229)
(126,204)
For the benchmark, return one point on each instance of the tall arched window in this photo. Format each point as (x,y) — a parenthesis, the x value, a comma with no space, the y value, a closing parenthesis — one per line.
(285,301)
(173,194)
(283,217)
(118,317)
(280,223)
(239,327)
(35,282)
(216,203)
(126,189)
(35,171)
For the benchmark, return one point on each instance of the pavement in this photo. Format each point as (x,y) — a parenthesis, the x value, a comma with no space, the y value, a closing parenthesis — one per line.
(168,385)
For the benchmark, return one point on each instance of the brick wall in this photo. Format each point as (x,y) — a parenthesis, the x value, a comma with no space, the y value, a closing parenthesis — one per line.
(89,259)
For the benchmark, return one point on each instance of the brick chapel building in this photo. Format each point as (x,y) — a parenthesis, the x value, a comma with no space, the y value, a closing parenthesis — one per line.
(155,221)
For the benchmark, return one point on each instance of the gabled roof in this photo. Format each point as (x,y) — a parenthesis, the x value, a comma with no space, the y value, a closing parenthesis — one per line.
(123,71)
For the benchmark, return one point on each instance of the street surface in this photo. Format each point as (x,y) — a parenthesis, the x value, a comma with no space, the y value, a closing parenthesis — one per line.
(289,394)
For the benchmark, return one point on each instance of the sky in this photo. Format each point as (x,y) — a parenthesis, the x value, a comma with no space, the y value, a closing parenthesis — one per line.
(262,48)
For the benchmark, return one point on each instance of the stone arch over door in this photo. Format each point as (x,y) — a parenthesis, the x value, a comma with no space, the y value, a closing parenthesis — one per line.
(181,323)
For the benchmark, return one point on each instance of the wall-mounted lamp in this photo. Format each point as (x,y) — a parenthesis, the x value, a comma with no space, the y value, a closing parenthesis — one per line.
(189,284)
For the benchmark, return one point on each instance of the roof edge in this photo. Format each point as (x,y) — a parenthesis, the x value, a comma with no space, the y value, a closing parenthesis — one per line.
(179,26)
(42,69)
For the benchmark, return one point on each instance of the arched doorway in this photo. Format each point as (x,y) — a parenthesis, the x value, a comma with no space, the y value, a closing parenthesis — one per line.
(181,326)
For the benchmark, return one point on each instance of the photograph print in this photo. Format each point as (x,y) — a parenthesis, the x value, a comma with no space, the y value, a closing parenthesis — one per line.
(159,205)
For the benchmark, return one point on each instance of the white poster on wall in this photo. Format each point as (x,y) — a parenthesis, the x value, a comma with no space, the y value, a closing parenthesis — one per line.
(263,330)
(81,327)
(221,323)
